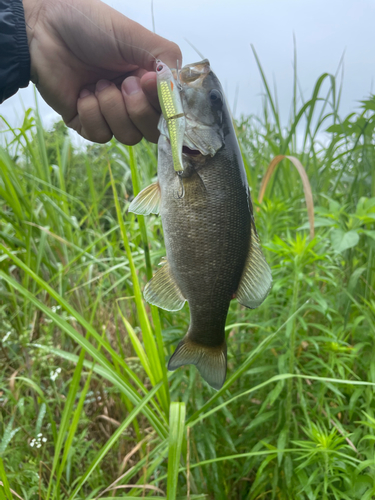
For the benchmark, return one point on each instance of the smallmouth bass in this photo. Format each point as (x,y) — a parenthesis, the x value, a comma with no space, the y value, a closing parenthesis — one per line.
(212,246)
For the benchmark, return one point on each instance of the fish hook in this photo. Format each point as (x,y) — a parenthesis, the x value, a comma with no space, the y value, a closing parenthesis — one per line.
(180,194)
(178,77)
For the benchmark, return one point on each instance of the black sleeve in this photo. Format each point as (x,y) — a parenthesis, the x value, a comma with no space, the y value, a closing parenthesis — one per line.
(14,49)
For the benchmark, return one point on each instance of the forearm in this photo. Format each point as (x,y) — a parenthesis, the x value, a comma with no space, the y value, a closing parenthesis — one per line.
(14,50)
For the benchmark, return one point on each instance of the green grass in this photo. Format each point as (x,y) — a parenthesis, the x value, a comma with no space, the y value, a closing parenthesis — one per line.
(87,407)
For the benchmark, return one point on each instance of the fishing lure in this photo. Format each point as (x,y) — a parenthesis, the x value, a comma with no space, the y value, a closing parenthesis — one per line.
(173,112)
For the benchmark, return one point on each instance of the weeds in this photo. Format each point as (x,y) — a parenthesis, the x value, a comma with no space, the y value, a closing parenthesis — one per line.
(88,409)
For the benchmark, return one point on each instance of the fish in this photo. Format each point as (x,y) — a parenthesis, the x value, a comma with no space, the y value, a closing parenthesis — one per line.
(213,251)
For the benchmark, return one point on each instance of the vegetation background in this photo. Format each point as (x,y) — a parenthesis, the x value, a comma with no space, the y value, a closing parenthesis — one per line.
(87,408)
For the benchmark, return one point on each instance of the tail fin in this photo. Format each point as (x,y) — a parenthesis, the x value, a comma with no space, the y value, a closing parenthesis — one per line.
(210,361)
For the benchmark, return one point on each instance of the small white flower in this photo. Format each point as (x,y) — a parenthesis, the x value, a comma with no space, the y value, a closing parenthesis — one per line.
(44,440)
(39,445)
(40,435)
(53,375)
(32,443)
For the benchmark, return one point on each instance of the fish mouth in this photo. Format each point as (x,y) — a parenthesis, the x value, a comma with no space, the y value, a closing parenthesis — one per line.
(191,152)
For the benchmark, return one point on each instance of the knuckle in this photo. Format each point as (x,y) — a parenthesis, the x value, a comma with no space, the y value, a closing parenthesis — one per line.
(108,99)
(87,106)
(141,112)
(104,137)
(129,138)
(99,136)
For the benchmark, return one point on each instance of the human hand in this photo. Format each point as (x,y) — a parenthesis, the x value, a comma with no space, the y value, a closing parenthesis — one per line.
(94,66)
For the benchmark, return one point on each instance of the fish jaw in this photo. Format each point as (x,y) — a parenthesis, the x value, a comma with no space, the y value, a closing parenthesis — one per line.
(186,146)
(203,132)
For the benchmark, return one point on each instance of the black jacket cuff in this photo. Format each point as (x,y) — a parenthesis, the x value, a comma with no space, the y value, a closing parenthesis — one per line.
(14,49)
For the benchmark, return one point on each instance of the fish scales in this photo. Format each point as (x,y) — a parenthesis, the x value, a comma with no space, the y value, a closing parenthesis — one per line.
(207,237)
(213,249)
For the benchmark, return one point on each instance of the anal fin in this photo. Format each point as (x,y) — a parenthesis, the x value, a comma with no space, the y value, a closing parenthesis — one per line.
(256,280)
(163,291)
(147,201)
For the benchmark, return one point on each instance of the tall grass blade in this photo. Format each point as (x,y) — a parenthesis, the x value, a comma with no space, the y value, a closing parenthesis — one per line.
(5,485)
(305,182)
(115,436)
(176,436)
(151,347)
(121,383)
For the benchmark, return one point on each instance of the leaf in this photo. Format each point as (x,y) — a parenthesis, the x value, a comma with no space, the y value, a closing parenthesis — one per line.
(4,481)
(191,497)
(123,384)
(337,129)
(354,279)
(305,183)
(334,206)
(342,240)
(114,438)
(281,441)
(39,421)
(370,234)
(8,435)
(176,435)
(319,222)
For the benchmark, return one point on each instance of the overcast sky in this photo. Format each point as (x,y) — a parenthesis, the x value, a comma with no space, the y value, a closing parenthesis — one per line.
(224,29)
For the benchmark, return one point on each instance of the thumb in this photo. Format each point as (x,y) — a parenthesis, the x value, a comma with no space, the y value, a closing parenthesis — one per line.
(102,36)
(142,47)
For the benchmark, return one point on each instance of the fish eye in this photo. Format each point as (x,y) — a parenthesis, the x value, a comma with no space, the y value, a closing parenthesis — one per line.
(159,68)
(215,96)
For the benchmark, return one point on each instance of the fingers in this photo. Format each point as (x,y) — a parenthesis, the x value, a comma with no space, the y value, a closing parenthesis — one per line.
(149,87)
(128,114)
(91,125)
(113,109)
(141,112)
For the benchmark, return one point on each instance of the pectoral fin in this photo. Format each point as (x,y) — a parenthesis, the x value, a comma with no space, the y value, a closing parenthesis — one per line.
(147,201)
(163,291)
(256,280)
